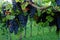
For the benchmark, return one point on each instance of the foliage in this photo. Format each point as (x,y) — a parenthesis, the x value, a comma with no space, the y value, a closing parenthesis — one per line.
(40,3)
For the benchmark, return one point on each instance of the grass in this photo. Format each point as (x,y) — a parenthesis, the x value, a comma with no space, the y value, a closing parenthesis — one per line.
(44,33)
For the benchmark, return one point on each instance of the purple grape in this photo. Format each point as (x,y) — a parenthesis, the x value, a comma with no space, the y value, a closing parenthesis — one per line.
(13,26)
(26,0)
(57,21)
(15,29)
(23,19)
(14,5)
(42,18)
(58,2)
(32,10)
(19,6)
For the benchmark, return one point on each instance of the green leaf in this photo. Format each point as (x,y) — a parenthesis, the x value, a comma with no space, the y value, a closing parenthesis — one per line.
(10,17)
(49,18)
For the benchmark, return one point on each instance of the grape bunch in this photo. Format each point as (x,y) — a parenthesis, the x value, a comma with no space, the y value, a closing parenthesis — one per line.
(42,18)
(3,10)
(52,23)
(32,10)
(57,2)
(27,0)
(14,5)
(23,19)
(57,20)
(19,6)
(13,26)
(0,17)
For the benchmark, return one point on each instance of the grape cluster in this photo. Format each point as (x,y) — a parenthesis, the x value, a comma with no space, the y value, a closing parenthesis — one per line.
(19,6)
(32,10)
(13,26)
(52,23)
(0,17)
(42,18)
(23,19)
(58,22)
(27,0)
(14,5)
(3,10)
(57,18)
(58,2)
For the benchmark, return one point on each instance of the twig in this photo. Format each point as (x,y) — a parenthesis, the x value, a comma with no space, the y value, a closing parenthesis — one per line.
(41,8)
